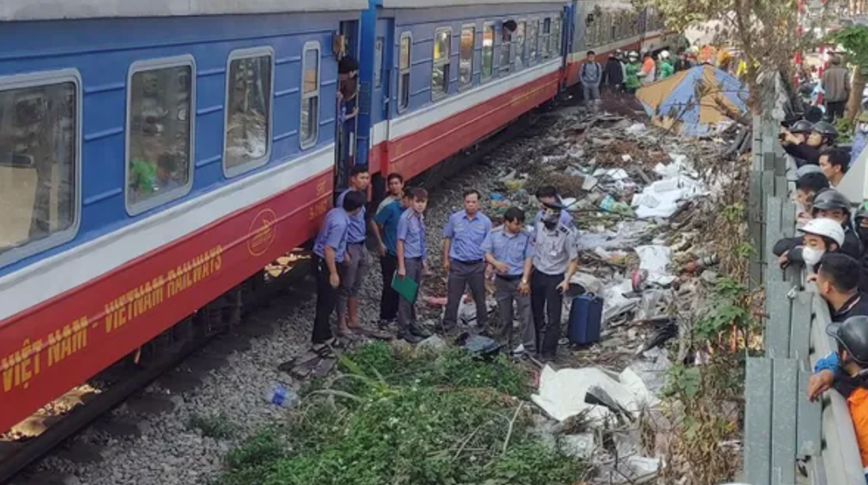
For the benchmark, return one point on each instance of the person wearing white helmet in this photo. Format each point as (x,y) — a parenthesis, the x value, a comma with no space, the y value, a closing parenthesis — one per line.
(631,73)
(819,236)
(664,66)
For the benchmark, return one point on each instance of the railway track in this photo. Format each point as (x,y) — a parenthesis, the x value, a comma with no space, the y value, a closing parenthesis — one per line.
(164,353)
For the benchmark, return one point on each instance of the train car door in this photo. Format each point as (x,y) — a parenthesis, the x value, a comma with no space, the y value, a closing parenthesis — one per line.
(381,101)
(346,123)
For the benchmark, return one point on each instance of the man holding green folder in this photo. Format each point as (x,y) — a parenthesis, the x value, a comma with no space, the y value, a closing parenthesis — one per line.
(411,260)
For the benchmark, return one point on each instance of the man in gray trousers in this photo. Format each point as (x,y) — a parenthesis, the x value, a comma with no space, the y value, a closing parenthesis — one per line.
(463,260)
(591,76)
(354,268)
(509,250)
(411,250)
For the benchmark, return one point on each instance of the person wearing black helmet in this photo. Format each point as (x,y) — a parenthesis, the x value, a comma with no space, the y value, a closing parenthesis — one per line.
(827,204)
(822,135)
(834,205)
(798,133)
(849,377)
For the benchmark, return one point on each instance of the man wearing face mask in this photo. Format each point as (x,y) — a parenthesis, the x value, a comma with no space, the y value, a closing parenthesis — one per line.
(849,376)
(555,253)
(819,236)
(829,204)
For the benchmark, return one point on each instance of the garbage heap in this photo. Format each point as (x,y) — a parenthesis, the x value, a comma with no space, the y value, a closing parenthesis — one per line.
(642,203)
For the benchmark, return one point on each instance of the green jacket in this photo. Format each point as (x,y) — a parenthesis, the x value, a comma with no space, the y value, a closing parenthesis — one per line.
(632,71)
(664,70)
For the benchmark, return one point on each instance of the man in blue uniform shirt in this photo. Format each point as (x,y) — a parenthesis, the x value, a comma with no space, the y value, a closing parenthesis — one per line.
(463,260)
(549,195)
(509,251)
(386,229)
(354,269)
(411,251)
(330,248)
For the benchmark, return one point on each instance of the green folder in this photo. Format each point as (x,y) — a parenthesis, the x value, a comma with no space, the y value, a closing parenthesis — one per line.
(405,287)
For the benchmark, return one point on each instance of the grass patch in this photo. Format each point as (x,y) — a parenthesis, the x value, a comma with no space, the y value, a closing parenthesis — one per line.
(217,427)
(407,419)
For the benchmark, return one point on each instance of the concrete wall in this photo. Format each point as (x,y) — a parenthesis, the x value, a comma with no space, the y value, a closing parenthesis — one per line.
(59,9)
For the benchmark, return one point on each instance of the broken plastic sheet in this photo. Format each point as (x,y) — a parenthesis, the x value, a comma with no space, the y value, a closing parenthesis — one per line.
(562,393)
(655,259)
(628,232)
(652,369)
(611,173)
(467,310)
(614,301)
(660,199)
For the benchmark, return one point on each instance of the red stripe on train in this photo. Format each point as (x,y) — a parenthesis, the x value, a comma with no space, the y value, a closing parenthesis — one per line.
(59,344)
(412,154)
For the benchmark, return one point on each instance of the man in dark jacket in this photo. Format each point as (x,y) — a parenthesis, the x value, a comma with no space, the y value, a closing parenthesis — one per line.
(613,75)
(822,135)
(831,204)
(836,87)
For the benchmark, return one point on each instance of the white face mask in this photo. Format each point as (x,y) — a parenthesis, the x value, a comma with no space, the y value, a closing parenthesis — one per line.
(812,256)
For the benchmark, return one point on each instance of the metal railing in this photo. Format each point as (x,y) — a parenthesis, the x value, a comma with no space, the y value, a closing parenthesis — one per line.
(781,447)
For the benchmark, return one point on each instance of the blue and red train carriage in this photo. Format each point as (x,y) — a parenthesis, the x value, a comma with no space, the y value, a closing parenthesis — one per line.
(155,155)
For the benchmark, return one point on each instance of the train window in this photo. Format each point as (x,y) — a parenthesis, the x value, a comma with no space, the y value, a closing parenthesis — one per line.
(39,159)
(404,72)
(532,41)
(465,62)
(487,50)
(505,47)
(248,110)
(441,61)
(518,42)
(545,39)
(160,118)
(378,61)
(556,36)
(309,128)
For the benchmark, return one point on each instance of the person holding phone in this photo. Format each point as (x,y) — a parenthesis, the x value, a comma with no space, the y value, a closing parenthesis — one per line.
(555,260)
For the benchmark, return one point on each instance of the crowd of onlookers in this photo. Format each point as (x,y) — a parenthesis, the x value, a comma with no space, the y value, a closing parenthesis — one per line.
(832,245)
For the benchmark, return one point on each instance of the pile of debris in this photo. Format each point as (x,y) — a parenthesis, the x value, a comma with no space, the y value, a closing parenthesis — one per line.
(637,198)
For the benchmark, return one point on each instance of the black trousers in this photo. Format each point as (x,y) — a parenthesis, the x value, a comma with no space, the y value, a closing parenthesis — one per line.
(546,301)
(835,109)
(389,298)
(326,301)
